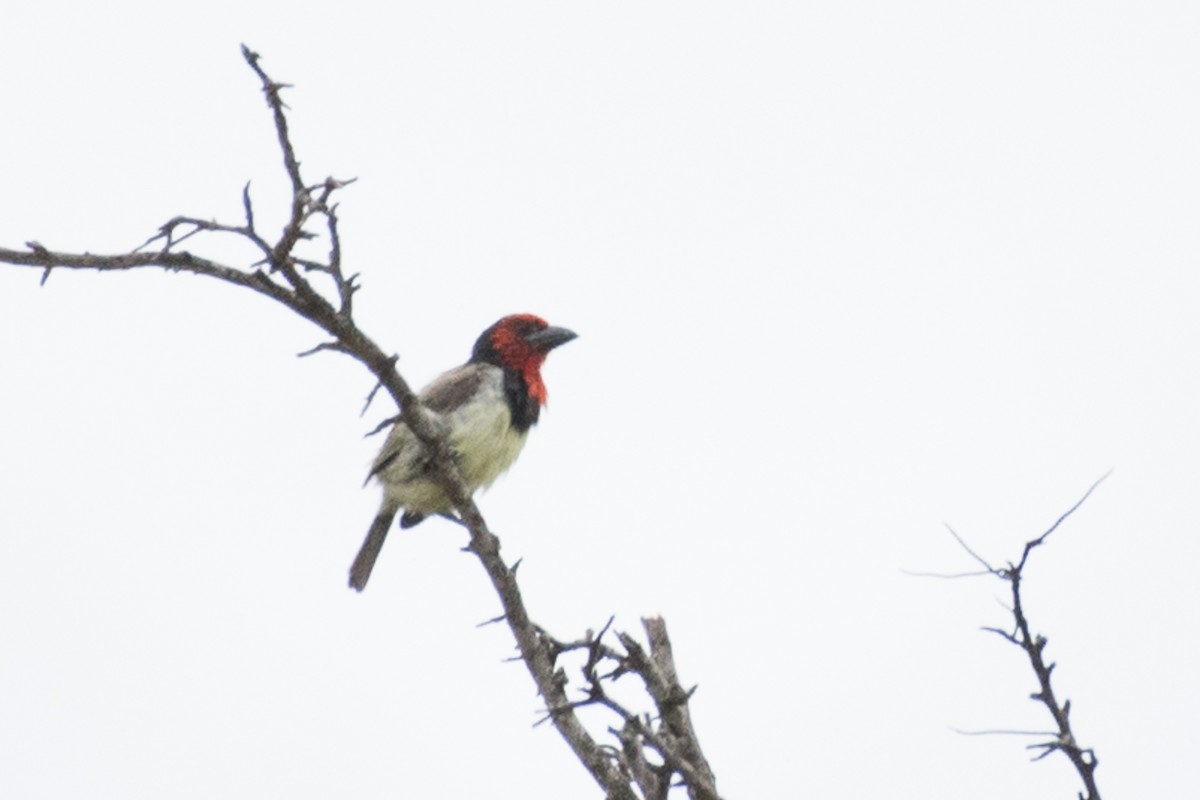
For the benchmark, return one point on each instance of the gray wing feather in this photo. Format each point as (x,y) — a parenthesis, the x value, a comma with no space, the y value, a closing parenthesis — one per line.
(447,392)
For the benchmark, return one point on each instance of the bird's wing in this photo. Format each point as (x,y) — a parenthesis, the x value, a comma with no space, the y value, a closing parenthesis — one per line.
(454,388)
(448,391)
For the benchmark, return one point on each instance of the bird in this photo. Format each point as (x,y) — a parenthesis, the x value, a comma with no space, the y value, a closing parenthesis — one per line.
(487,407)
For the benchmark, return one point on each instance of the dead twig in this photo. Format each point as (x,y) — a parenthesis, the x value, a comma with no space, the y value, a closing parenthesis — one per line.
(1063,738)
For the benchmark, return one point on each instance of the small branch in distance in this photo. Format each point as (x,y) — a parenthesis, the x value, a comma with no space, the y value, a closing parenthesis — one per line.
(1083,759)
(1039,540)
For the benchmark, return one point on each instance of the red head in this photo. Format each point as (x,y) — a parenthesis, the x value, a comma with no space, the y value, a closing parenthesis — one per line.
(520,342)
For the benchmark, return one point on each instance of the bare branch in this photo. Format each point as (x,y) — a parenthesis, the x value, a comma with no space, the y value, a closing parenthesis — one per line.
(324,346)
(272,89)
(381,427)
(970,552)
(374,390)
(286,278)
(1034,645)
(1002,634)
(1038,541)
(946,575)
(1001,733)
(181,261)
(248,207)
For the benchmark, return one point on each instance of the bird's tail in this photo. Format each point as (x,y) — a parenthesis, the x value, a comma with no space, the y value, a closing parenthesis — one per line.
(360,570)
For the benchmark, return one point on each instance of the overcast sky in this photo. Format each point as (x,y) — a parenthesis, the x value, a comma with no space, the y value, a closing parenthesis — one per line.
(842,273)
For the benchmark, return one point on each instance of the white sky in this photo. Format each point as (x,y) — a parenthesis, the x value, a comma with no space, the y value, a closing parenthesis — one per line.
(842,272)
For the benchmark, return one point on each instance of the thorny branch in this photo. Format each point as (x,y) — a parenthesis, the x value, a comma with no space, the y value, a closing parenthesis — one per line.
(667,735)
(1063,739)
(286,277)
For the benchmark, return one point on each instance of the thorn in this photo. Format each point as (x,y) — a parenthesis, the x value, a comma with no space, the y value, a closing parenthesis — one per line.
(336,346)
(371,396)
(382,426)
(249,208)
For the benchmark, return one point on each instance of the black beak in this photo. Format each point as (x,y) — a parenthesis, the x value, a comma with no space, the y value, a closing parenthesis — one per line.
(547,339)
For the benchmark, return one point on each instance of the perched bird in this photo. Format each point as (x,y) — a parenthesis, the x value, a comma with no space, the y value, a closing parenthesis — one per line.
(487,405)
